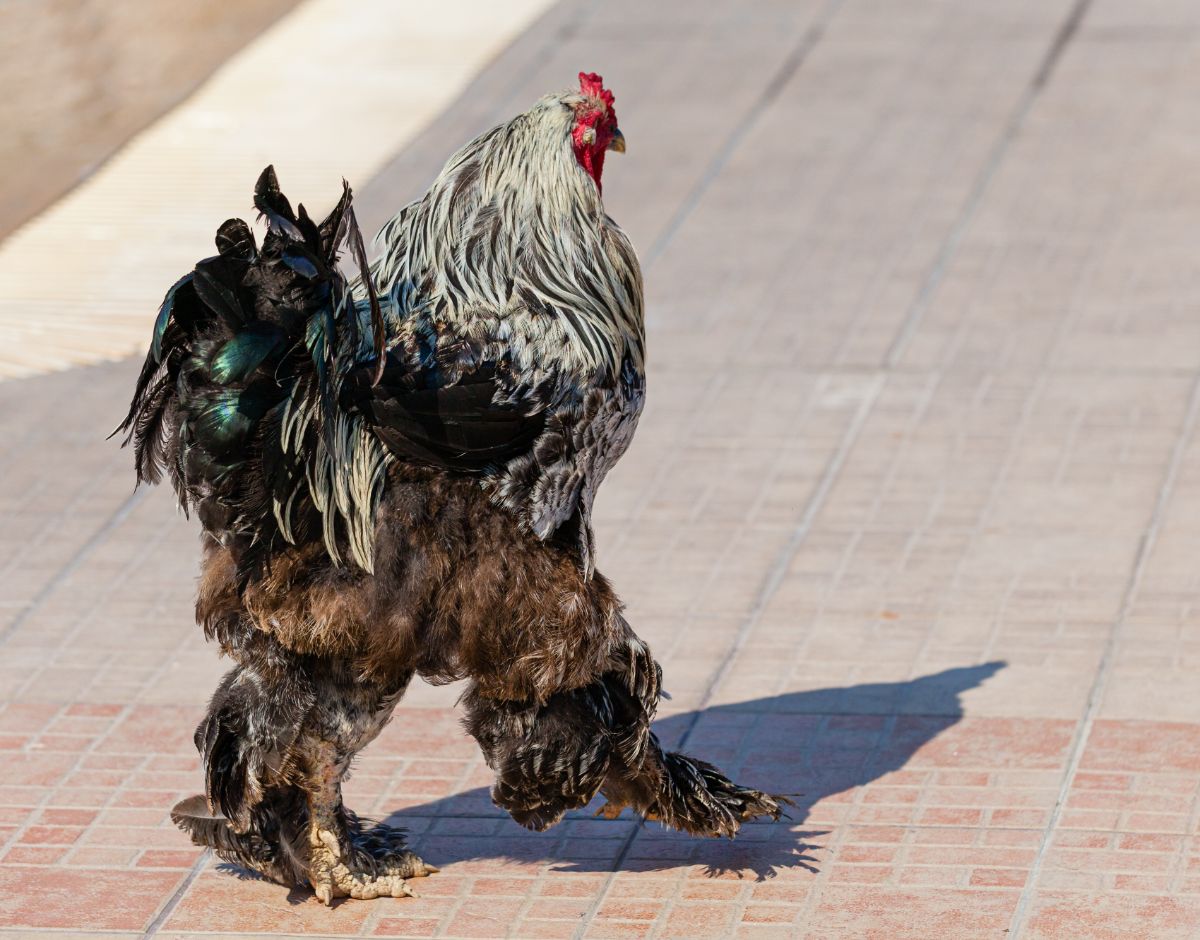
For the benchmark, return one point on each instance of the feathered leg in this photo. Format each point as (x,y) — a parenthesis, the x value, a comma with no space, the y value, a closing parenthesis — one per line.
(548,758)
(277,741)
(345,857)
(554,757)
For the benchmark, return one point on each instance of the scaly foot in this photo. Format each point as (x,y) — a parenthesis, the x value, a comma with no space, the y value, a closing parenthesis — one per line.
(337,872)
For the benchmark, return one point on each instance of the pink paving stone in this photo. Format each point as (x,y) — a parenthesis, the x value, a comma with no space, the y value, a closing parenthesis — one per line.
(221,903)
(1095,781)
(1082,840)
(951,817)
(102,857)
(615,930)
(574,886)
(628,885)
(1088,819)
(771,913)
(94,710)
(51,835)
(153,728)
(557,908)
(168,858)
(992,502)
(1142,884)
(502,887)
(999,877)
(764,932)
(1147,842)
(1028,838)
(710,890)
(27,716)
(33,855)
(35,770)
(480,917)
(1143,746)
(1114,917)
(929,875)
(794,892)
(1104,860)
(987,856)
(536,929)
(1023,818)
(45,897)
(629,910)
(962,778)
(868,854)
(939,836)
(66,817)
(860,874)
(874,834)
(844,912)
(406,927)
(698,920)
(996,742)
(1156,822)
(15,815)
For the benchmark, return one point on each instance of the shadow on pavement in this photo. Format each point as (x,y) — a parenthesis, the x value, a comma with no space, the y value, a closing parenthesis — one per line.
(812,745)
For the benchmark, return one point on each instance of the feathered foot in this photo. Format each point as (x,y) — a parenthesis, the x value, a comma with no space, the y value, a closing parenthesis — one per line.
(699,799)
(692,796)
(345,859)
(678,791)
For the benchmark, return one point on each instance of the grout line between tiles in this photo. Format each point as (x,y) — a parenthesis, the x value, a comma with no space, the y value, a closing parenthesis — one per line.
(950,245)
(173,901)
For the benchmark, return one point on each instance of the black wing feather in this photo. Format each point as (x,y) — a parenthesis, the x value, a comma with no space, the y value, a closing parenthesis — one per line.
(454,427)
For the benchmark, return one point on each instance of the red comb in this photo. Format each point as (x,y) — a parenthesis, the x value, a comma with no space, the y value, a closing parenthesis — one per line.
(592,85)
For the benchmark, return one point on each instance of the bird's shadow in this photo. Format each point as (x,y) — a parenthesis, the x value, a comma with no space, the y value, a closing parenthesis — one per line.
(810,745)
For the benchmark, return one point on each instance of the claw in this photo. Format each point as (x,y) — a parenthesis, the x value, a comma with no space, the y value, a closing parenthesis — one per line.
(401,889)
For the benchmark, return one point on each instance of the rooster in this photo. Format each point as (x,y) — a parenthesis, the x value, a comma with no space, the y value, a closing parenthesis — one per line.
(395,476)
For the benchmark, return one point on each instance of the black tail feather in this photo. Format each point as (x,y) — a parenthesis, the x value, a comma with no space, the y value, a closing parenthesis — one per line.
(240,394)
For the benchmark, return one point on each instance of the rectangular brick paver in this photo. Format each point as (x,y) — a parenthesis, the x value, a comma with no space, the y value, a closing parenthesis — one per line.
(911,518)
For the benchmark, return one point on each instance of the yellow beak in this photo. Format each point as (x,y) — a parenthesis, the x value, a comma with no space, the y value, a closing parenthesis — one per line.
(618,141)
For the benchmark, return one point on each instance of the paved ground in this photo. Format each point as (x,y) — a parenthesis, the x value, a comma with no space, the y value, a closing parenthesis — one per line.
(912,518)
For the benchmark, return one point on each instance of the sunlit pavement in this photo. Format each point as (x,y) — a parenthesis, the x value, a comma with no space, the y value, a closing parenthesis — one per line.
(912,519)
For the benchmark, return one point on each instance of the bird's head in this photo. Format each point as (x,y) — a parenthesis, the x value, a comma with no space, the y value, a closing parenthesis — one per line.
(594,131)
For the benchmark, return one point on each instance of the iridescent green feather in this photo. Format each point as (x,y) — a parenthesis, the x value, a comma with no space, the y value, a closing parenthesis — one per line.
(240,356)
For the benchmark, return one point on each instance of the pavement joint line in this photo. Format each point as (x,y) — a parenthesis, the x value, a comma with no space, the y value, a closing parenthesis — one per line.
(1000,149)
(78,558)
(1104,672)
(168,908)
(775,84)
